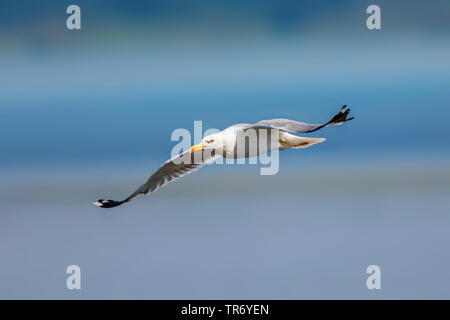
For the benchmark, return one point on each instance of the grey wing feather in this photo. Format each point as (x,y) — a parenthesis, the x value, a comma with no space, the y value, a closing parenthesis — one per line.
(171,170)
(302,127)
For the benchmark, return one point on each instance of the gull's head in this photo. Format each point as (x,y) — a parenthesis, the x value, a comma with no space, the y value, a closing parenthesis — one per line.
(213,141)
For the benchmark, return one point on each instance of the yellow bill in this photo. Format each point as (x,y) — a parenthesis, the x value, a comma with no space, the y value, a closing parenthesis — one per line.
(197,147)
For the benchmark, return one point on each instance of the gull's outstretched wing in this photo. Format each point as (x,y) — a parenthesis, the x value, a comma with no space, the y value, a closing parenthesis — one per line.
(302,127)
(171,170)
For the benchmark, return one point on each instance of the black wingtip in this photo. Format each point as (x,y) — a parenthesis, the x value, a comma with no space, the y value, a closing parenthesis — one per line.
(341,116)
(107,203)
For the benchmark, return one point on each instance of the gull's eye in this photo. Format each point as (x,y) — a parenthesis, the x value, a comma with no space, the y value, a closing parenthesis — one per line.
(211,141)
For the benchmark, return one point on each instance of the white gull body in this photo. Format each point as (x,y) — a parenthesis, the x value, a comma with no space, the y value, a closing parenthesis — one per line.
(237,141)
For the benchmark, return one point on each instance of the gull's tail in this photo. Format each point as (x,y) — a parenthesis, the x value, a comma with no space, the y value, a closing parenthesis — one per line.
(303,142)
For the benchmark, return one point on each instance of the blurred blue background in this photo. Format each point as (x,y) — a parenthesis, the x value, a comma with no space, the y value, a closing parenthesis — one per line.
(88,113)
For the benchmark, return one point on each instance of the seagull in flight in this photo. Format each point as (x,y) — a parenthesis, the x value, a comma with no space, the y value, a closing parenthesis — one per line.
(226,143)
